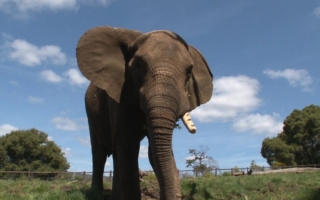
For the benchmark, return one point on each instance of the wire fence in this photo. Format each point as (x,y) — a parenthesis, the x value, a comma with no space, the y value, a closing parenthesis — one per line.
(108,175)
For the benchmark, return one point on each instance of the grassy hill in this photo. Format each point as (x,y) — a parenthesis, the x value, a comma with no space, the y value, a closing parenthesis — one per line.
(292,185)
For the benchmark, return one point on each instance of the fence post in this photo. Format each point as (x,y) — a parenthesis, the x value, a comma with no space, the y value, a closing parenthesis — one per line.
(29,175)
(58,175)
(215,172)
(110,176)
(84,176)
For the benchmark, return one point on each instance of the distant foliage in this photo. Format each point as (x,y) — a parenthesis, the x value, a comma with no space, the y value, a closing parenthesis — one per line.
(298,143)
(201,162)
(256,167)
(25,150)
(236,169)
(226,174)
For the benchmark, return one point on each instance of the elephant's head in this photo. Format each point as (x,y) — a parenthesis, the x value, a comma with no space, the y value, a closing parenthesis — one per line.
(169,76)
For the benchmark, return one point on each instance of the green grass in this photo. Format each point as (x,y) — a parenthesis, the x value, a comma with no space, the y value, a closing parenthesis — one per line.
(272,186)
(47,190)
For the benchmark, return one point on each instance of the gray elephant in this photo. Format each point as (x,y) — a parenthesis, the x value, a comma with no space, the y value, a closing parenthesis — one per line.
(141,84)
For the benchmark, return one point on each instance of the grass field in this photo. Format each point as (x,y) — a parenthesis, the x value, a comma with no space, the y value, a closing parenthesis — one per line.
(272,186)
(305,186)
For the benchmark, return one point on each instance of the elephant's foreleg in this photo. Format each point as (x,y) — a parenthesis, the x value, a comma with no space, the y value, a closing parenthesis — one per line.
(116,187)
(127,182)
(100,133)
(99,158)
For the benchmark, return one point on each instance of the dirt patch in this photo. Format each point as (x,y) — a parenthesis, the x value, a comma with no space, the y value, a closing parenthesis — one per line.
(297,170)
(149,190)
(149,193)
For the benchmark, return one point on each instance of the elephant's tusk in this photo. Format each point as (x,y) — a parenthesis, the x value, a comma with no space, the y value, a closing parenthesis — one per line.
(189,123)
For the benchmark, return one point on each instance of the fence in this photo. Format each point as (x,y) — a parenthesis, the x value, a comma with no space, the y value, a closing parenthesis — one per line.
(108,175)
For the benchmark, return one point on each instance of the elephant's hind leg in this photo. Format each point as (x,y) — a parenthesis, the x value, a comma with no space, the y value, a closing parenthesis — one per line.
(99,126)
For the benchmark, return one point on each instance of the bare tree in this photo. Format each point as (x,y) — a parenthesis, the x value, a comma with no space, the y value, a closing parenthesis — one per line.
(200,162)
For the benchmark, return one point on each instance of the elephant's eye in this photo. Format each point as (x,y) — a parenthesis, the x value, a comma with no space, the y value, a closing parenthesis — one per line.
(189,75)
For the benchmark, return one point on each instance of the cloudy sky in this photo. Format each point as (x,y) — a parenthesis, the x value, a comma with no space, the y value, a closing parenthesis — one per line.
(265,57)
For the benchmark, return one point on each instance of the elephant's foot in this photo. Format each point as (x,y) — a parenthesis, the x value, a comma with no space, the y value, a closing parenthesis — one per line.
(189,123)
(97,190)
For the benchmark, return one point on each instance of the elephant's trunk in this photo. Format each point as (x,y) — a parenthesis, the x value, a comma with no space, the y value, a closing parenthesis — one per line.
(162,107)
(160,135)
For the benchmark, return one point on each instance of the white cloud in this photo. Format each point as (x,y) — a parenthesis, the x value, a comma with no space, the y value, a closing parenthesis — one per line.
(50,138)
(257,123)
(316,12)
(6,36)
(6,128)
(35,100)
(31,55)
(66,124)
(76,78)
(108,163)
(143,153)
(189,157)
(295,77)
(73,76)
(22,8)
(50,76)
(14,83)
(84,141)
(105,2)
(232,96)
(67,152)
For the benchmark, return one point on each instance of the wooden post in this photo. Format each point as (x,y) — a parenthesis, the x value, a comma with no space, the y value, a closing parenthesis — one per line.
(29,175)
(84,176)
(231,171)
(110,176)
(58,175)
(215,172)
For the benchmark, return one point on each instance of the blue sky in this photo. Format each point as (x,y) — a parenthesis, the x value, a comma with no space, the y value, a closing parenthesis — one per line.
(265,57)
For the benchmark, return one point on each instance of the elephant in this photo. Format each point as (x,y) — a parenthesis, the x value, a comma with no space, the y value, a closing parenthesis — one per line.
(140,85)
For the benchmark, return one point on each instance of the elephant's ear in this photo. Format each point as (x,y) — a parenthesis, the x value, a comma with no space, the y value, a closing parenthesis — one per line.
(200,84)
(102,53)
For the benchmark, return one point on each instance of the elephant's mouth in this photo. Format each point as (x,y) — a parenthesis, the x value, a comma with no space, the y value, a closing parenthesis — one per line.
(187,121)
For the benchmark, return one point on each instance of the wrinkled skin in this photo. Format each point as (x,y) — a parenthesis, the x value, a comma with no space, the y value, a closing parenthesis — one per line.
(141,84)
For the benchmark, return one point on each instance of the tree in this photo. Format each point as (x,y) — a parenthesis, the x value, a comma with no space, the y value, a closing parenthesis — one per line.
(24,150)
(200,161)
(255,167)
(299,142)
(235,169)
(276,150)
